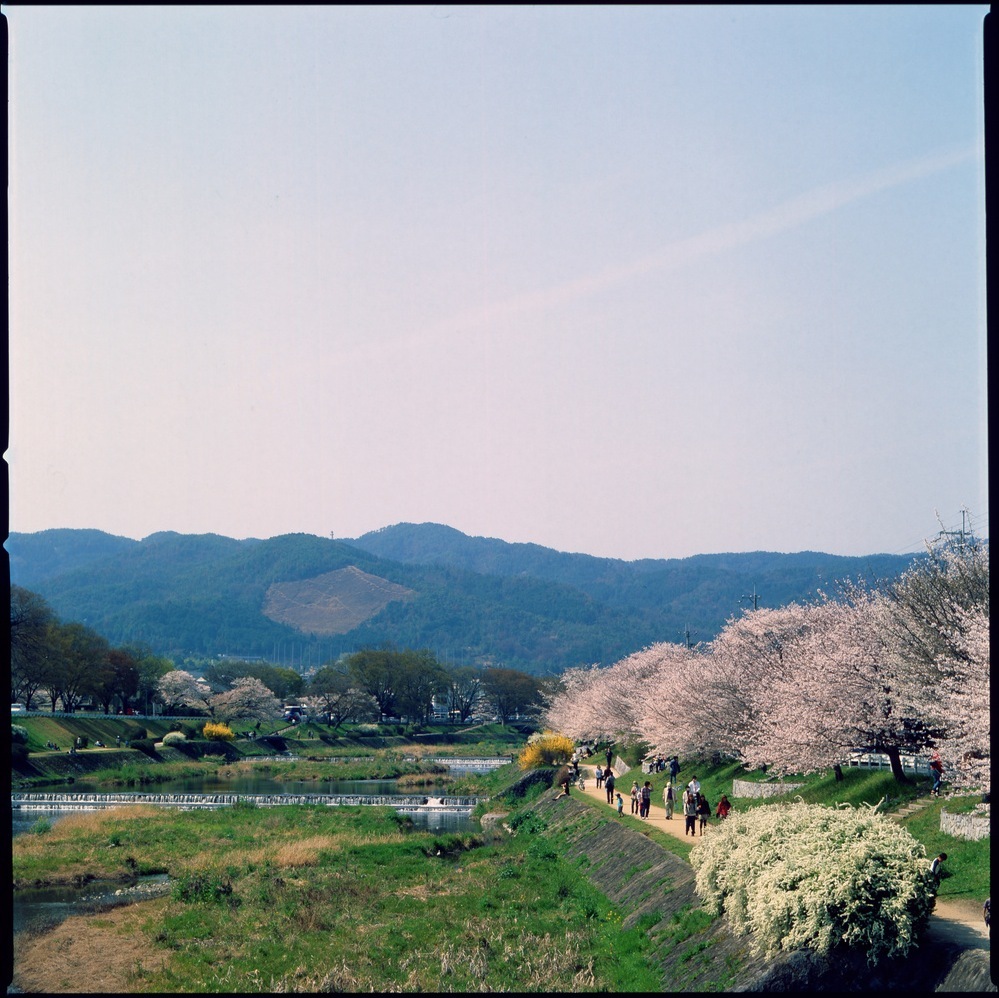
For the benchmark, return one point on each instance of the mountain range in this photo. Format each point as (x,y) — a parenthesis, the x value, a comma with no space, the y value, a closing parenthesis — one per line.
(301,600)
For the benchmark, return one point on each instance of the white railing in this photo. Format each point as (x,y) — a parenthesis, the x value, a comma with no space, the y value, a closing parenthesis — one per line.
(872,760)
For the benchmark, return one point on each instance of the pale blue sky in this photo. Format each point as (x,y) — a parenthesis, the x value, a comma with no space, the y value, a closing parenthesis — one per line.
(636,282)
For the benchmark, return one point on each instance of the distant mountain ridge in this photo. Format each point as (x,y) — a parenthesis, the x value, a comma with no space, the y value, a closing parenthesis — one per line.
(299,599)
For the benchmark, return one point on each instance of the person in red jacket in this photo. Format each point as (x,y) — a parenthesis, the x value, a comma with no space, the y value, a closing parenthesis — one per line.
(724,807)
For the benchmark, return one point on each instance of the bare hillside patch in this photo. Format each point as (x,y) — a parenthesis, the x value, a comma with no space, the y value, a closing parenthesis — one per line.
(332,603)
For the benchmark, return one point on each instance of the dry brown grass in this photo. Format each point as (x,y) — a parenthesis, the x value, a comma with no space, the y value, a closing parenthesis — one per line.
(284,855)
(305,852)
(88,954)
(84,823)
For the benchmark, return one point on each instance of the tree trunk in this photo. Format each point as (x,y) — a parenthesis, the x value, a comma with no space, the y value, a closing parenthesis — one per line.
(895,758)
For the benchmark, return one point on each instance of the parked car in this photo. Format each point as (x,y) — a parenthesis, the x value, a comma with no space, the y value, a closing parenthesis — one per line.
(16,708)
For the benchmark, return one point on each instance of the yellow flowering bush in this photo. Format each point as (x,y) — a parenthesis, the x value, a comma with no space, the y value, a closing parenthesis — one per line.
(216,732)
(546,749)
(804,876)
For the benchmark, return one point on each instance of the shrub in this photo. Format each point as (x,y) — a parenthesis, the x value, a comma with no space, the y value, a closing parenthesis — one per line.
(205,886)
(805,876)
(174,737)
(147,745)
(546,749)
(19,734)
(217,732)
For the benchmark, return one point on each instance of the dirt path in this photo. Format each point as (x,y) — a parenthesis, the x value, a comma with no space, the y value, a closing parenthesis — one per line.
(657,813)
(959,922)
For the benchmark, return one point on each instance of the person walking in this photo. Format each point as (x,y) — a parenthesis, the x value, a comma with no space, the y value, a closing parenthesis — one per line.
(610,756)
(620,804)
(609,786)
(600,776)
(703,811)
(694,786)
(634,797)
(669,799)
(936,771)
(936,869)
(674,769)
(689,812)
(645,801)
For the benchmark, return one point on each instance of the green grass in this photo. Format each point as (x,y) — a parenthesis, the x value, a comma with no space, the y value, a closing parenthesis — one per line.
(297,898)
(968,867)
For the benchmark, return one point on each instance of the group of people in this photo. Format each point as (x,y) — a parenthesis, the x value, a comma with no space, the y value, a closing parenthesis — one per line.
(641,799)
(694,804)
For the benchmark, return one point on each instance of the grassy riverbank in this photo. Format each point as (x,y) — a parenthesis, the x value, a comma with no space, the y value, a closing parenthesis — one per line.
(297,898)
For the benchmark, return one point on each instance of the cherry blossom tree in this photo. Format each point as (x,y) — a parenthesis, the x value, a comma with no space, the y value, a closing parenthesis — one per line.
(841,688)
(753,653)
(248,698)
(930,602)
(939,622)
(960,702)
(179,688)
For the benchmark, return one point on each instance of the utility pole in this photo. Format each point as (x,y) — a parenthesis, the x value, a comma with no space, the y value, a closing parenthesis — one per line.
(962,534)
(755,598)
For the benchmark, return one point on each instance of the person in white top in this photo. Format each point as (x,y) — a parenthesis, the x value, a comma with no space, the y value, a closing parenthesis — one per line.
(694,785)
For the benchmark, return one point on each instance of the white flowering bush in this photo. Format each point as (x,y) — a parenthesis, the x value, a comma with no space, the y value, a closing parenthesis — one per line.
(173,737)
(804,876)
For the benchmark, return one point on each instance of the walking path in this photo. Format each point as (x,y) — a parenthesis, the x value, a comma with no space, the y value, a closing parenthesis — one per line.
(657,813)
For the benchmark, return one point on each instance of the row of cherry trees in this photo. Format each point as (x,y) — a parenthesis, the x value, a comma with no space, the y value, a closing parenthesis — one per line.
(900,668)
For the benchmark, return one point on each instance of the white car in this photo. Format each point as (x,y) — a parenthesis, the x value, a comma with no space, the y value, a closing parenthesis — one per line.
(16,708)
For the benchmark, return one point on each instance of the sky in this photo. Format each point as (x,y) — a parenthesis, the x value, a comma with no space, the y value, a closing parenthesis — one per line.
(636,282)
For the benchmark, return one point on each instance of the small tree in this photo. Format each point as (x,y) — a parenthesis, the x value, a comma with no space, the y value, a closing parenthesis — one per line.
(546,749)
(215,731)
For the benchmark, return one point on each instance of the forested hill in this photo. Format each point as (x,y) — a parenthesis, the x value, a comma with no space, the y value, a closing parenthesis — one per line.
(710,587)
(299,599)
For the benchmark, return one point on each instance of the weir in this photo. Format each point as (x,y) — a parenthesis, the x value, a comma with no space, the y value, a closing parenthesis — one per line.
(92,801)
(465,762)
